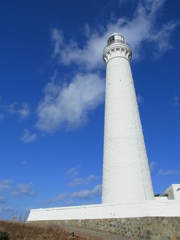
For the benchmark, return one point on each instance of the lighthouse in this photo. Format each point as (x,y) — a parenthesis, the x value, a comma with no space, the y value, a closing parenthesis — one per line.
(127,189)
(126,174)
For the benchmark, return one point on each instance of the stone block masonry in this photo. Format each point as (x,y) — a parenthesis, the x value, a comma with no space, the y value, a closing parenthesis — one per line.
(155,228)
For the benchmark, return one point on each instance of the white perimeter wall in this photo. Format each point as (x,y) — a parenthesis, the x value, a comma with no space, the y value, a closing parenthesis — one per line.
(151,208)
(173,192)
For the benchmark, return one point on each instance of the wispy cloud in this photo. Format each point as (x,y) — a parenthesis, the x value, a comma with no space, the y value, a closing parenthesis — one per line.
(27,210)
(125,2)
(97,190)
(24,162)
(5,184)
(91,178)
(121,2)
(27,137)
(7,209)
(85,194)
(139,99)
(69,104)
(82,194)
(76,182)
(24,190)
(60,198)
(152,165)
(176,101)
(23,110)
(85,181)
(72,172)
(69,203)
(2,199)
(1,117)
(141,28)
(167,172)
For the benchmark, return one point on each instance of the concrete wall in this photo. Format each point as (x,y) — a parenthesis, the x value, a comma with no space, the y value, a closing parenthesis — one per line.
(172,192)
(155,228)
(168,208)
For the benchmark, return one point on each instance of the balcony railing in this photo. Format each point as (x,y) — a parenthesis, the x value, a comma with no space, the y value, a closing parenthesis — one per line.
(117,41)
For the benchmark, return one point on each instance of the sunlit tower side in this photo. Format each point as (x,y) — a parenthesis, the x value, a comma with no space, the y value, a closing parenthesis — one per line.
(126,175)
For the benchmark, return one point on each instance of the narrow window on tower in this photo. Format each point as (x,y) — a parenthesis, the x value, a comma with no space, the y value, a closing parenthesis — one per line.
(111,39)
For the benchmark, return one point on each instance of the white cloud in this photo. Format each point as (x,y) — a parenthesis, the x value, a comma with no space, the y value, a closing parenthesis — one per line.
(27,137)
(86,194)
(23,111)
(72,172)
(7,209)
(91,178)
(69,103)
(83,194)
(5,184)
(152,165)
(1,117)
(139,99)
(176,101)
(167,172)
(24,190)
(122,2)
(2,199)
(89,57)
(27,210)
(70,203)
(57,40)
(79,181)
(60,198)
(76,182)
(24,162)
(97,190)
(141,28)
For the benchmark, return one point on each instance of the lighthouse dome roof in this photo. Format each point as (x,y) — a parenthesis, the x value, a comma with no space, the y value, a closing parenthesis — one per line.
(115,37)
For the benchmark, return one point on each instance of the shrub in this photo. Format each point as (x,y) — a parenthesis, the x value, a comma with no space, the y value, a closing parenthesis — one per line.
(4,236)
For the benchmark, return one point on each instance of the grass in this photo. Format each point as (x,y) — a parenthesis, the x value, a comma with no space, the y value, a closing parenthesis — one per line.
(34,231)
(25,231)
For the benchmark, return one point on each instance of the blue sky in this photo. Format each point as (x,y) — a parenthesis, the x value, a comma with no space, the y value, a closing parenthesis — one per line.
(52,79)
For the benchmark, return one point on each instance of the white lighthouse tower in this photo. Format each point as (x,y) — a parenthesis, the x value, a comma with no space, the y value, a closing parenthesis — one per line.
(126,175)
(127,189)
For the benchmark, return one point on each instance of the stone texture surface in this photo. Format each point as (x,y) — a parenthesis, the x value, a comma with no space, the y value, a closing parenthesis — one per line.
(156,228)
(126,175)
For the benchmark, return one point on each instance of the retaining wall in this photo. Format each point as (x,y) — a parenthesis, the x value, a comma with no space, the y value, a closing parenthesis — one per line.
(156,228)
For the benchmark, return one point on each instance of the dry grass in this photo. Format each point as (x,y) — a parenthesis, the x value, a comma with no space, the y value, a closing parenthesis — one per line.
(26,231)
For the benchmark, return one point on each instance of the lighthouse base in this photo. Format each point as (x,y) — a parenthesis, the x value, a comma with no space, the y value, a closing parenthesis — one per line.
(152,208)
(145,220)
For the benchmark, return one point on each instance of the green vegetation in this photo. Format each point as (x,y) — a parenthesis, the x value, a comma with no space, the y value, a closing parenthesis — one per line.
(4,236)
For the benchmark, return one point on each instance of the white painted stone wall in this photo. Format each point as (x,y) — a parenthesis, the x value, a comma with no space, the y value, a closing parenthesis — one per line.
(172,192)
(126,175)
(143,209)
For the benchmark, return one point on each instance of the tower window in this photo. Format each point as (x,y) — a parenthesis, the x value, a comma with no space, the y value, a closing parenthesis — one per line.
(111,39)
